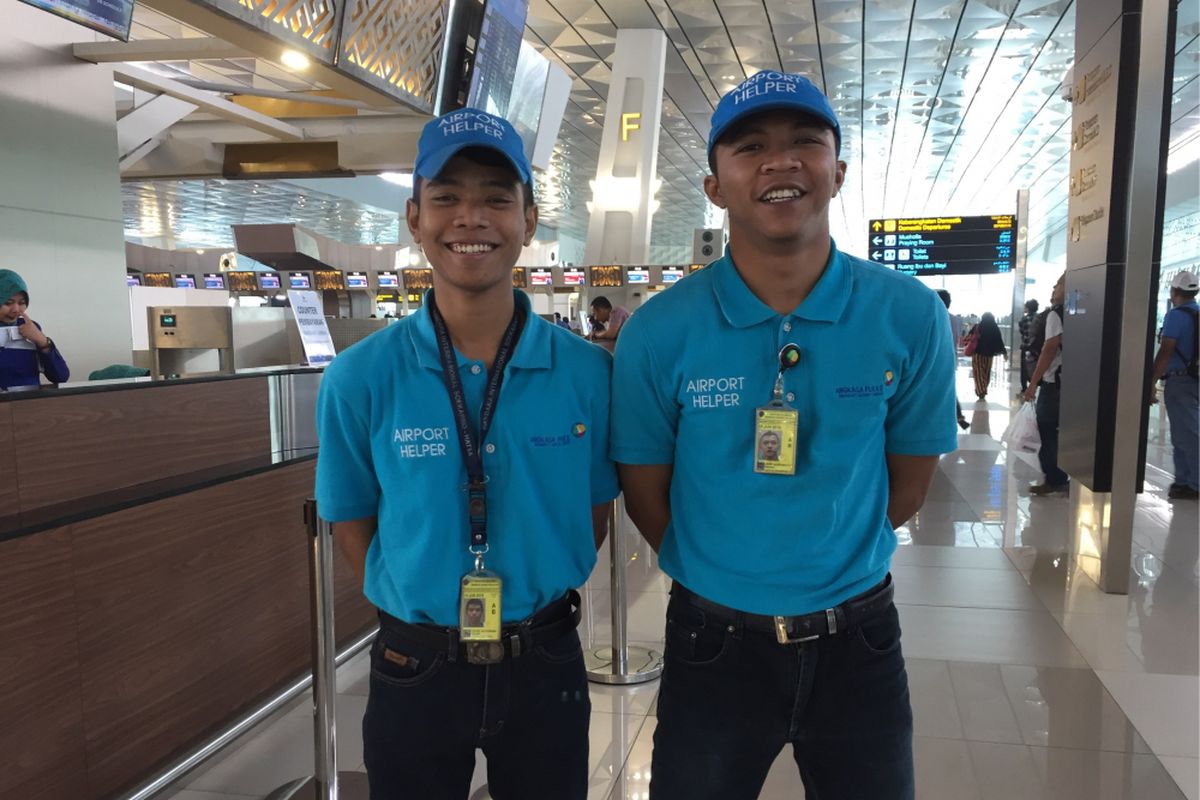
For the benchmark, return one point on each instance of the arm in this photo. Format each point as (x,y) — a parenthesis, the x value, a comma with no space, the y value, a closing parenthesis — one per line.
(354,539)
(600,515)
(647,490)
(1049,350)
(909,478)
(1161,359)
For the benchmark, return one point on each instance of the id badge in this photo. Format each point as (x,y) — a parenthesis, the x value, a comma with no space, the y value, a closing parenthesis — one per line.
(479,617)
(775,440)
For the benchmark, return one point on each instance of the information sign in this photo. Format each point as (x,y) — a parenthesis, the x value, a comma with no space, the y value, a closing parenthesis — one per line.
(638,275)
(573,277)
(541,277)
(926,246)
(670,275)
(309,314)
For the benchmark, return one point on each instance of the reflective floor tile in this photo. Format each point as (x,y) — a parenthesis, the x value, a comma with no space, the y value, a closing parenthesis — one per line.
(935,712)
(1104,641)
(354,677)
(943,770)
(611,738)
(1161,707)
(997,636)
(646,617)
(972,558)
(637,700)
(1006,772)
(963,588)
(983,705)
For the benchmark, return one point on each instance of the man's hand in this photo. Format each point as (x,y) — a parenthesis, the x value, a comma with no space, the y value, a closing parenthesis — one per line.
(29,331)
(1030,393)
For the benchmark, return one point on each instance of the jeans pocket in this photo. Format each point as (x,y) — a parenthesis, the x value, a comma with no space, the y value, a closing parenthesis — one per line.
(694,639)
(880,635)
(562,650)
(398,664)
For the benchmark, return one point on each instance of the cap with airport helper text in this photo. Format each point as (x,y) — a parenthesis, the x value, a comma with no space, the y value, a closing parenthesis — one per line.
(1185,281)
(444,137)
(768,91)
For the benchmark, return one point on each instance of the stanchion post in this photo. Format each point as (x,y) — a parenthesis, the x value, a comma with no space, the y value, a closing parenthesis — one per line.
(324,648)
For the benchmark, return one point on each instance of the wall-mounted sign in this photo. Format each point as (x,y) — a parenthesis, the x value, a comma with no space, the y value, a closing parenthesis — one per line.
(269,280)
(299,280)
(670,275)
(185,281)
(541,277)
(329,279)
(574,277)
(609,277)
(242,281)
(520,278)
(388,280)
(163,280)
(637,275)
(357,280)
(418,279)
(214,280)
(949,245)
(695,268)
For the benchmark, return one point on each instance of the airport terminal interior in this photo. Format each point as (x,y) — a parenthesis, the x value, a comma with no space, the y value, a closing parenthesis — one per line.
(206,202)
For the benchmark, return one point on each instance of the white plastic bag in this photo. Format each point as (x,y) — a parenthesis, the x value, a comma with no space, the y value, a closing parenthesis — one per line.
(1022,432)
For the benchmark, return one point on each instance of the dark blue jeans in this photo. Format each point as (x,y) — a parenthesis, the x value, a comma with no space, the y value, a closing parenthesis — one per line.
(732,698)
(426,716)
(1048,401)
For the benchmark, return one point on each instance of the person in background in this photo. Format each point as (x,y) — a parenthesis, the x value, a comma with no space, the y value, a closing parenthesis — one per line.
(1028,356)
(1175,364)
(962,421)
(612,318)
(1047,374)
(25,351)
(560,321)
(988,344)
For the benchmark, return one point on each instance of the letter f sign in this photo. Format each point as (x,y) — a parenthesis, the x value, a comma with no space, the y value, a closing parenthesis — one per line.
(629,122)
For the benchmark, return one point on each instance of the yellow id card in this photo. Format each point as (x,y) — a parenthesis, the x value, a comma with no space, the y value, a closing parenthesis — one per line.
(775,440)
(479,607)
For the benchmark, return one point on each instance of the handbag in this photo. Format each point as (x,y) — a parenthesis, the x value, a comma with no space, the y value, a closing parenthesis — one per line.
(972,342)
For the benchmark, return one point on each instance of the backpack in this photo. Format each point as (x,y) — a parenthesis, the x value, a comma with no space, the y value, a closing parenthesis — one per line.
(1037,334)
(1193,364)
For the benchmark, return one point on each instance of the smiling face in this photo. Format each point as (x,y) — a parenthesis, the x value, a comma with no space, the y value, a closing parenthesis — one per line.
(472,221)
(776,173)
(13,308)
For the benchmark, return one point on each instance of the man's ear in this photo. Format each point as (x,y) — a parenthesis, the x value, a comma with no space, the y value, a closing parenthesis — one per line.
(531,221)
(839,178)
(412,215)
(712,188)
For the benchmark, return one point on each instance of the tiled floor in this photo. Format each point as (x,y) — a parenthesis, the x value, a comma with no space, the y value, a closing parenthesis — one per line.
(1027,681)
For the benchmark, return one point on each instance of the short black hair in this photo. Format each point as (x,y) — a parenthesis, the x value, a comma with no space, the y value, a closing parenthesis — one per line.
(483,157)
(1188,295)
(475,601)
(942,293)
(1031,306)
(735,130)
(601,302)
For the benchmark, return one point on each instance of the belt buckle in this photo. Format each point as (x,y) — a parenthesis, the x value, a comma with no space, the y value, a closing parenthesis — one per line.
(485,652)
(781,633)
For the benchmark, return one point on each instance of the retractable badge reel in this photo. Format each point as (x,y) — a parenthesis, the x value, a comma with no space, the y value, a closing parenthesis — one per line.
(776,423)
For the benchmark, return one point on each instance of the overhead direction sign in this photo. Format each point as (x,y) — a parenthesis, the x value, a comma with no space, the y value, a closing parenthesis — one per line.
(925,246)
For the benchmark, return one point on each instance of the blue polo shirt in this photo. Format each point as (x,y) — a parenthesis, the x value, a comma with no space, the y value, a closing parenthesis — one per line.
(1178,325)
(876,376)
(389,449)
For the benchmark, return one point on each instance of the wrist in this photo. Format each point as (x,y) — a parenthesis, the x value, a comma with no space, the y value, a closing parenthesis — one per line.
(46,345)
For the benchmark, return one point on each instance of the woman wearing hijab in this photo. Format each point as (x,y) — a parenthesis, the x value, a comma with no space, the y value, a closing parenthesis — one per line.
(25,352)
(988,345)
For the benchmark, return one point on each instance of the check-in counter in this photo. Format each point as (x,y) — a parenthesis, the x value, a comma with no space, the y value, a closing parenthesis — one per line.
(153,571)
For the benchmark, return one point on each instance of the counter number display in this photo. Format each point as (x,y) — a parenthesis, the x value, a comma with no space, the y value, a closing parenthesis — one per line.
(299,280)
(331,279)
(184,281)
(356,280)
(637,275)
(574,277)
(418,279)
(520,278)
(214,280)
(269,280)
(695,268)
(671,275)
(242,281)
(162,280)
(541,277)
(950,245)
(388,280)
(609,277)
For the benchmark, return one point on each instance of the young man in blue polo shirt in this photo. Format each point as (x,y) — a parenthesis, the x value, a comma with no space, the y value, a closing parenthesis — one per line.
(781,626)
(463,460)
(1175,363)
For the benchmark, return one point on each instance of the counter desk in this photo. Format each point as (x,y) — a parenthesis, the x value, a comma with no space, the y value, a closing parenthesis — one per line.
(153,571)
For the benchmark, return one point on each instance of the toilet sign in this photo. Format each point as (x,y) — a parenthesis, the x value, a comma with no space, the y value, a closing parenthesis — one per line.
(314,333)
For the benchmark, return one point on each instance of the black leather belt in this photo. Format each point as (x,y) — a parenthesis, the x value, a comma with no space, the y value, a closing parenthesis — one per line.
(550,623)
(804,627)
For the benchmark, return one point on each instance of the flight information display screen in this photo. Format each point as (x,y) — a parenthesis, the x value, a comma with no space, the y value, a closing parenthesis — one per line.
(299,280)
(212,280)
(110,17)
(950,245)
(574,277)
(356,280)
(269,280)
(185,281)
(388,280)
(671,275)
(541,277)
(635,275)
(497,54)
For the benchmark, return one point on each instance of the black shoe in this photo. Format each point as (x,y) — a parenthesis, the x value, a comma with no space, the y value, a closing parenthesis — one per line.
(1044,489)
(1180,491)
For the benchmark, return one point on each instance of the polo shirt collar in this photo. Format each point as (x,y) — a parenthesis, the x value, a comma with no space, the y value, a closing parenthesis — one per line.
(825,303)
(533,348)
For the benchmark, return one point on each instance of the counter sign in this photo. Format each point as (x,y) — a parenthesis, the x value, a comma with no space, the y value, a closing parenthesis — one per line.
(925,246)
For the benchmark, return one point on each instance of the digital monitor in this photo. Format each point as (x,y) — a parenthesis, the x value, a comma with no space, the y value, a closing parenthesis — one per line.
(541,277)
(214,280)
(330,279)
(388,280)
(574,277)
(418,280)
(163,280)
(299,280)
(133,280)
(609,277)
(167,320)
(110,17)
(356,280)
(944,245)
(269,280)
(671,275)
(520,278)
(185,281)
(496,55)
(637,275)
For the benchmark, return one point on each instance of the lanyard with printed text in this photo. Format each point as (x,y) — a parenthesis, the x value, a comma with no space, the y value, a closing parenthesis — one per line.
(472,454)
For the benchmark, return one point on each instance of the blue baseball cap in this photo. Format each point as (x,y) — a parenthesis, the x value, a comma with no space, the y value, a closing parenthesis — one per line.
(448,134)
(767,91)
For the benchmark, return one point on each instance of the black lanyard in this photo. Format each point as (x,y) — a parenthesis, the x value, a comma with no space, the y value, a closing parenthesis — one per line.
(472,455)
